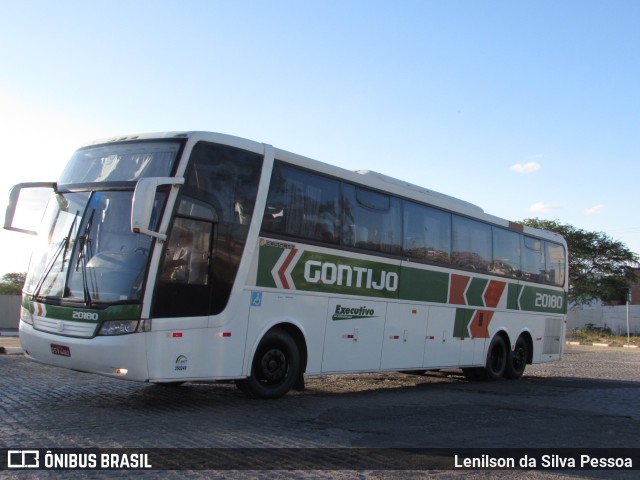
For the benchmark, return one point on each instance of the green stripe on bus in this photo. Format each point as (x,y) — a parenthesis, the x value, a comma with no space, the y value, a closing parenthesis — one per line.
(423,285)
(267,260)
(312,271)
(463,319)
(512,296)
(349,276)
(475,292)
(540,299)
(81,314)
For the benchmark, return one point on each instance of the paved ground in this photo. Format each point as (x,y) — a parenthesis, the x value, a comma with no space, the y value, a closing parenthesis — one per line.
(589,399)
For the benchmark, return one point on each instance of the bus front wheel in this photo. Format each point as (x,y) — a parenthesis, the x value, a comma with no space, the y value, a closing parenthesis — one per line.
(275,367)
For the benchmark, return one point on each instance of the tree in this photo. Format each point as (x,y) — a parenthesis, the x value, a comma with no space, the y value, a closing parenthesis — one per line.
(11,283)
(600,268)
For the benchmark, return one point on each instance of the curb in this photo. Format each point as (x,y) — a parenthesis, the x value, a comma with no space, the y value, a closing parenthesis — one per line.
(601,345)
(10,343)
(11,351)
(9,333)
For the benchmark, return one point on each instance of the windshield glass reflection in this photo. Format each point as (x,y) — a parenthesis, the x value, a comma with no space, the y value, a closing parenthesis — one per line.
(97,259)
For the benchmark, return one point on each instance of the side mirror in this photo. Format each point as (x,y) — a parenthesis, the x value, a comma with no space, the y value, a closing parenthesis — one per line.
(143,201)
(14,197)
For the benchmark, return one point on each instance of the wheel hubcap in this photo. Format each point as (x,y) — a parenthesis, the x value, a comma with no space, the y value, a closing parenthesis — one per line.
(274,365)
(518,358)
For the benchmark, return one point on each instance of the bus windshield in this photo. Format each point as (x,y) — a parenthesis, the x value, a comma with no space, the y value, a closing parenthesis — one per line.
(87,252)
(122,162)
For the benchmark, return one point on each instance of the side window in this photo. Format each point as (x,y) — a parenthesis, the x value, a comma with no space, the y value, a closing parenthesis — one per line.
(427,233)
(471,244)
(186,257)
(371,221)
(506,252)
(533,262)
(302,204)
(227,179)
(209,232)
(555,264)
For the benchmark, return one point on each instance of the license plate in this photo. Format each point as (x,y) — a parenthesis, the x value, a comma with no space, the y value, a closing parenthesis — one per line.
(61,350)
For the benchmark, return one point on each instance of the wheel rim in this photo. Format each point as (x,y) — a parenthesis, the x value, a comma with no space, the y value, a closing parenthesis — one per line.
(518,361)
(273,366)
(518,358)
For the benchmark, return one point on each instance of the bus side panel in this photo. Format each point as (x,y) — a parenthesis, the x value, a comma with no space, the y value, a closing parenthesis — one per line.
(442,349)
(404,336)
(193,351)
(546,332)
(552,340)
(353,339)
(307,312)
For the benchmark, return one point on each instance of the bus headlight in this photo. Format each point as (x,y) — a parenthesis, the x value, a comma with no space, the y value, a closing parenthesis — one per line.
(25,316)
(118,327)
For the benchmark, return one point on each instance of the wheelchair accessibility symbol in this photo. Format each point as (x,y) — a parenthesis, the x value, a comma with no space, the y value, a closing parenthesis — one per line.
(256,299)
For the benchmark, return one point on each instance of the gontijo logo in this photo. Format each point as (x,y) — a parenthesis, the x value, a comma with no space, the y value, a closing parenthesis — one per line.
(360,277)
(299,269)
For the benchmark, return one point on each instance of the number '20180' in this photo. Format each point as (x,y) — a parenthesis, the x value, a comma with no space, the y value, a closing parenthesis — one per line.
(545,300)
(76,315)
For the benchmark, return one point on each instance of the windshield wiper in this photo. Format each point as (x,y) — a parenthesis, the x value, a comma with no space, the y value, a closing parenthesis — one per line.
(64,246)
(85,241)
(67,239)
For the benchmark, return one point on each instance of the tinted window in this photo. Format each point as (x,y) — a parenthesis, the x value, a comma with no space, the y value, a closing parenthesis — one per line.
(471,244)
(372,220)
(303,204)
(186,258)
(207,238)
(427,233)
(533,263)
(555,263)
(506,252)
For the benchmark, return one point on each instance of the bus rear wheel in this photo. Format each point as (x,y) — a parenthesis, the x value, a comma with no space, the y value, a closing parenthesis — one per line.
(495,366)
(496,358)
(517,360)
(275,367)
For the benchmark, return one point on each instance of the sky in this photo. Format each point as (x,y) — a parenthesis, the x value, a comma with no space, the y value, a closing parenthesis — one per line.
(525,108)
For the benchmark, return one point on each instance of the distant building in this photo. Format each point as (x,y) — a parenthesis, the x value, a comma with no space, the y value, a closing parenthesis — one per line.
(613,316)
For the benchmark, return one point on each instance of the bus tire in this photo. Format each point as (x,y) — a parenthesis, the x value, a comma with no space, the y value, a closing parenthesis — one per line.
(517,359)
(275,367)
(497,356)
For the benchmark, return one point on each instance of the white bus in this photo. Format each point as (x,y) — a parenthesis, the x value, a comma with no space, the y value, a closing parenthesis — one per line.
(194,257)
